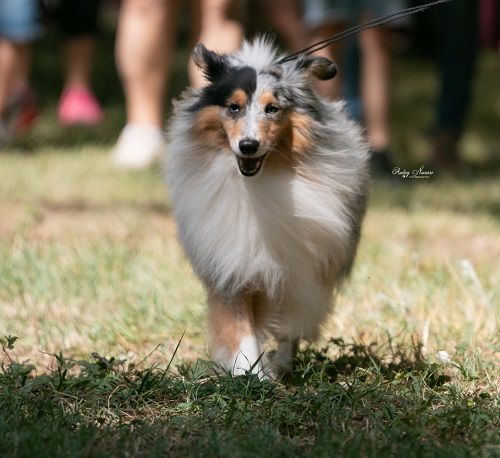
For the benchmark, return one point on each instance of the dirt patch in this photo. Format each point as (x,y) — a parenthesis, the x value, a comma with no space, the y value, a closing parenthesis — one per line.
(49,221)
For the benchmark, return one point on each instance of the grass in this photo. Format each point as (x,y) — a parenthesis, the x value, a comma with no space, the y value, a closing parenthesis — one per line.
(99,294)
(353,405)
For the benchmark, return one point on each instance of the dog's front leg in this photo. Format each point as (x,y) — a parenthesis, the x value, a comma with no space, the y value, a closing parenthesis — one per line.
(282,360)
(231,334)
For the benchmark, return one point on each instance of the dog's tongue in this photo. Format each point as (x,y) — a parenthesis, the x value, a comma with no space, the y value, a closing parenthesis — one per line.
(250,166)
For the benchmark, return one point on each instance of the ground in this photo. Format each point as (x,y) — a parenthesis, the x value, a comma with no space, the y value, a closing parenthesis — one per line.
(110,357)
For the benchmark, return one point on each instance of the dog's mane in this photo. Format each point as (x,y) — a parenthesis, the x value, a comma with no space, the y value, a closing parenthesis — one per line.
(259,53)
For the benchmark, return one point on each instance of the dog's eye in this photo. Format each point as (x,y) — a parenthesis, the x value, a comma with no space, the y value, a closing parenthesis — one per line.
(270,109)
(233,108)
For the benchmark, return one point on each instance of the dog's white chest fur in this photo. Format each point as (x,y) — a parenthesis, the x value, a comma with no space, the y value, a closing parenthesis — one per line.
(278,232)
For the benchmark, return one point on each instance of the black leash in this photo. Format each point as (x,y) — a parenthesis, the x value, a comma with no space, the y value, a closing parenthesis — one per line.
(358,28)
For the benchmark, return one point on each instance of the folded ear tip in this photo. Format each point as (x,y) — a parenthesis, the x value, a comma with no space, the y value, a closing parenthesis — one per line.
(199,48)
(329,72)
(320,67)
(198,55)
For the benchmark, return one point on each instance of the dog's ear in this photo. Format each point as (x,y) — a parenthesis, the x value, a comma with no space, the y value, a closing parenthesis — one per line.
(212,64)
(319,67)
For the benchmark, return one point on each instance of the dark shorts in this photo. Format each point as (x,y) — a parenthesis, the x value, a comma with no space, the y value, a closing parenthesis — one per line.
(321,12)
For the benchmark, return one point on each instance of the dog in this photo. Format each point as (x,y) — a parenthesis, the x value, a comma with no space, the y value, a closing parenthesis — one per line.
(269,184)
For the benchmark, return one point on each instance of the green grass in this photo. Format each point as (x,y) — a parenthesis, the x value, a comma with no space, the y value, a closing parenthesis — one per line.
(353,405)
(89,264)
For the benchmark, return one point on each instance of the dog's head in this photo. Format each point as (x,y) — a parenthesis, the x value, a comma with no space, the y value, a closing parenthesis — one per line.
(255,107)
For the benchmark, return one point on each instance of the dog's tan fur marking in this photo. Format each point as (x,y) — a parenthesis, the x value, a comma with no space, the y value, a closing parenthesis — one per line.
(261,311)
(239,97)
(234,127)
(301,132)
(267,98)
(294,141)
(270,130)
(208,127)
(228,322)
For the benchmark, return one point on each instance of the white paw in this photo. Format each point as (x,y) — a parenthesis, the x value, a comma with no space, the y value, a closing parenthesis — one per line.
(282,359)
(247,358)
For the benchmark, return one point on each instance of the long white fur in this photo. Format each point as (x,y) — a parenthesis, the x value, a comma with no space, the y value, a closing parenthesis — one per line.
(285,232)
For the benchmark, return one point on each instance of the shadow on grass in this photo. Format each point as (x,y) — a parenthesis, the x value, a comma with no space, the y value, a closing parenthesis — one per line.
(340,359)
(361,402)
(83,206)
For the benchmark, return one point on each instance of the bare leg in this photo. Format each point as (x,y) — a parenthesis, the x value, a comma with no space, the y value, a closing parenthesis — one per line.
(143,49)
(285,15)
(215,30)
(78,57)
(17,105)
(282,359)
(8,58)
(14,65)
(231,335)
(331,89)
(77,104)
(144,44)
(375,82)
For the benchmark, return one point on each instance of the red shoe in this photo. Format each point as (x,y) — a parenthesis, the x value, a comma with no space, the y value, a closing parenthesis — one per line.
(19,116)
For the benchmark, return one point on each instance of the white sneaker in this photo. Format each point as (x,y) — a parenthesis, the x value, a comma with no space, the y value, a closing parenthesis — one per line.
(139,146)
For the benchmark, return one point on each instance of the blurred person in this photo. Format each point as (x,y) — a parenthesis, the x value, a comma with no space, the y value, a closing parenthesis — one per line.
(458,35)
(78,23)
(19,27)
(215,29)
(144,43)
(490,23)
(286,18)
(145,39)
(328,17)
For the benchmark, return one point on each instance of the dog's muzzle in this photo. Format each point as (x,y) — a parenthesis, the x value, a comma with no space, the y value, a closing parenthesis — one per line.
(250,166)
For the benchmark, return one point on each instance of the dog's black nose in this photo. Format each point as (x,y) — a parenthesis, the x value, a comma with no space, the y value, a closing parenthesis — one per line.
(248,146)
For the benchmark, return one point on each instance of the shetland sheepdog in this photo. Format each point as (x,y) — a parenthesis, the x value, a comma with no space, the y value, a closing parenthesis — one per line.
(269,183)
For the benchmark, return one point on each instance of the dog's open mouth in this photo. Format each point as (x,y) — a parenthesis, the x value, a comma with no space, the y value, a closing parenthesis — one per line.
(250,166)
